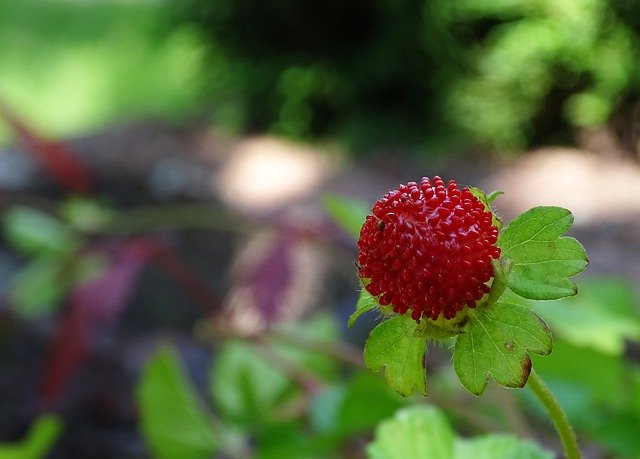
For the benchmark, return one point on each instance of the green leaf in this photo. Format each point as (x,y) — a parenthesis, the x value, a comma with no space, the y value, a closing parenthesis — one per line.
(434,329)
(602,317)
(366,302)
(497,342)
(423,432)
(315,332)
(499,447)
(604,377)
(419,432)
(39,287)
(348,213)
(543,261)
(393,344)
(35,232)
(173,421)
(346,409)
(245,387)
(41,437)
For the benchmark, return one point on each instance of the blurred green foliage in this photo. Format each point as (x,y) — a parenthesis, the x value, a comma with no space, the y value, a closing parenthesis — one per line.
(68,66)
(498,73)
(430,73)
(42,435)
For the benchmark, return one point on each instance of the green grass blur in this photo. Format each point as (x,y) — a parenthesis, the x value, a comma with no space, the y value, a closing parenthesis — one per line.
(71,66)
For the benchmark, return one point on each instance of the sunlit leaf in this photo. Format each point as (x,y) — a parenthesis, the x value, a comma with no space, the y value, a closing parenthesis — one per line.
(419,432)
(395,346)
(499,447)
(173,421)
(497,342)
(423,432)
(543,261)
(40,287)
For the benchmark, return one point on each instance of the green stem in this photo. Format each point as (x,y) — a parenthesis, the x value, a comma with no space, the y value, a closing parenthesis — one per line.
(560,420)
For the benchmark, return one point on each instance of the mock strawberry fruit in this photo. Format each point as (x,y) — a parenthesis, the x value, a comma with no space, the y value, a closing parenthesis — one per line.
(428,248)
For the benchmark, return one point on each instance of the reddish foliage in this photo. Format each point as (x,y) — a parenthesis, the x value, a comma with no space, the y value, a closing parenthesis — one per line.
(99,303)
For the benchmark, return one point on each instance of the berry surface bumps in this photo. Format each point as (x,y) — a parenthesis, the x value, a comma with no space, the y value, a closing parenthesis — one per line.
(427,248)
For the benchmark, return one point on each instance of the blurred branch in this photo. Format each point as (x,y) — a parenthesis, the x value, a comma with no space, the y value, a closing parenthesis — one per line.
(336,349)
(175,216)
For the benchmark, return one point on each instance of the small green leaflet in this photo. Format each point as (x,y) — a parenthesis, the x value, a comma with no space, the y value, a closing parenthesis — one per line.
(543,261)
(495,446)
(497,342)
(423,432)
(366,302)
(394,344)
(603,317)
(416,432)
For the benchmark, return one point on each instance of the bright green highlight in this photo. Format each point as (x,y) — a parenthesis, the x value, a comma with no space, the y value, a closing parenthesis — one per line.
(423,432)
(69,67)
(602,317)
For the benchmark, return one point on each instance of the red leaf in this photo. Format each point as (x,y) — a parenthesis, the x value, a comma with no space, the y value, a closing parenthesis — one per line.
(270,277)
(60,163)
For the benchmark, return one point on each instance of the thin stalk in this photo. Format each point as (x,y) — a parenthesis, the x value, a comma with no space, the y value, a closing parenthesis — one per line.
(560,420)
(175,216)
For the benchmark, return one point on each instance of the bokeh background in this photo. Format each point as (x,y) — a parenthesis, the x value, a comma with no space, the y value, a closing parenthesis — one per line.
(176,177)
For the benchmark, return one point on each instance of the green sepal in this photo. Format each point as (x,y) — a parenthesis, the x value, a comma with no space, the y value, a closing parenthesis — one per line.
(493,195)
(440,328)
(349,214)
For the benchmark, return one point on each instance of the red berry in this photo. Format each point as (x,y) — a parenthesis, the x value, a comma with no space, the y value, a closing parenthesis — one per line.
(428,248)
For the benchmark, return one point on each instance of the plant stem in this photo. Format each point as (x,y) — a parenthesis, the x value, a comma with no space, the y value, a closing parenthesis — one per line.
(175,216)
(560,420)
